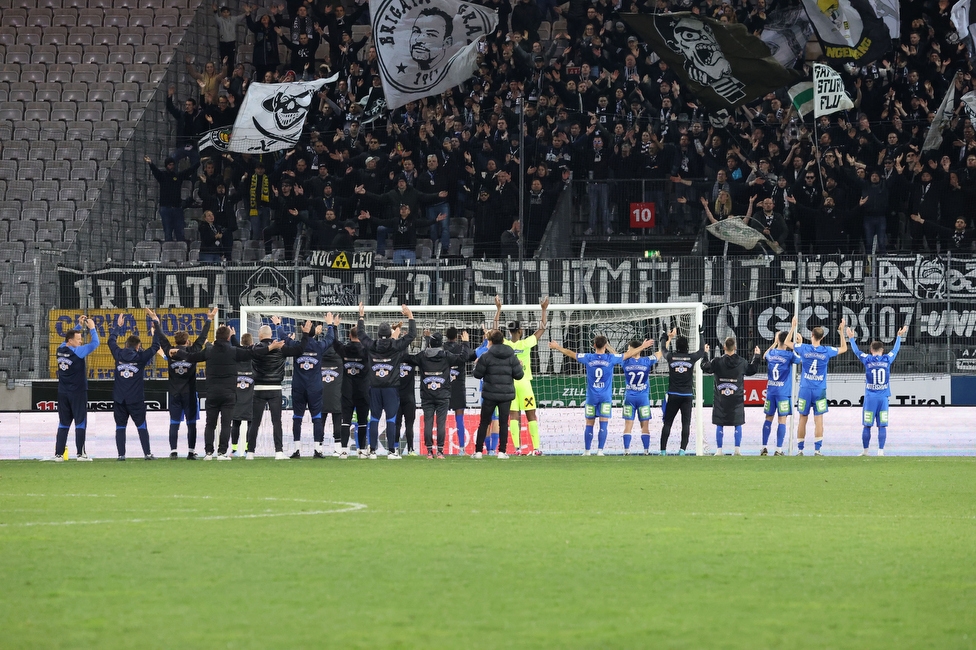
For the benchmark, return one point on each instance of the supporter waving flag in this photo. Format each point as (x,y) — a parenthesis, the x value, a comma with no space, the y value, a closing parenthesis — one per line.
(425,47)
(272,115)
(722,64)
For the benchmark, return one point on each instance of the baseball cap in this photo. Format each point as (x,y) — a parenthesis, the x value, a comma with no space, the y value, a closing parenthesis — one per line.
(436,340)
(384,331)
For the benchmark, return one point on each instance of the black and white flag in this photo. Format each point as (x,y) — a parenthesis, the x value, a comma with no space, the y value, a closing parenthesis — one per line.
(964,19)
(722,64)
(849,30)
(424,47)
(272,115)
(889,11)
(786,33)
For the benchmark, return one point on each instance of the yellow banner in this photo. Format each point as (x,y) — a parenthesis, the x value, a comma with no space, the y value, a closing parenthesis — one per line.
(101,365)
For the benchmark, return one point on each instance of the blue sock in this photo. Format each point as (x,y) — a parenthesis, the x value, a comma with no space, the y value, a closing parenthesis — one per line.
(588,436)
(800,444)
(882,436)
(738,436)
(493,442)
(392,437)
(817,444)
(374,433)
(602,441)
(767,427)
(719,436)
(780,435)
(646,441)
(866,437)
(627,439)
(459,423)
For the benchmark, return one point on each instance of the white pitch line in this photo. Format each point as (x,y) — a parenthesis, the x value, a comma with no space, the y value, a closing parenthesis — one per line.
(743,515)
(349,506)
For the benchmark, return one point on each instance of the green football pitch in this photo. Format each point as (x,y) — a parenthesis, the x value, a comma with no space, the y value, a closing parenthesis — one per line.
(532,552)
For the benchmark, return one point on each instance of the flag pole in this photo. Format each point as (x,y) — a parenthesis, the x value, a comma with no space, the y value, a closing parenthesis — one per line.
(520,102)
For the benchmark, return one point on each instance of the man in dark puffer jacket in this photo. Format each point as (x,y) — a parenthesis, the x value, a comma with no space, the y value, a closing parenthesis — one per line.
(498,367)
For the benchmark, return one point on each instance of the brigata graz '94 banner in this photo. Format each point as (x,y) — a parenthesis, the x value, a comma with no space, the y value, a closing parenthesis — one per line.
(751,297)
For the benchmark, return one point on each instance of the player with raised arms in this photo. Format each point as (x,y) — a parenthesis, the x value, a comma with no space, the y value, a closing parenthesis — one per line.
(728,409)
(129,387)
(524,395)
(681,379)
(877,387)
(306,388)
(779,388)
(73,387)
(181,383)
(637,400)
(599,366)
(813,358)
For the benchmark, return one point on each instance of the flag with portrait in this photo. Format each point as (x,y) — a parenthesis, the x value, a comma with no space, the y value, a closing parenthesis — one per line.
(425,48)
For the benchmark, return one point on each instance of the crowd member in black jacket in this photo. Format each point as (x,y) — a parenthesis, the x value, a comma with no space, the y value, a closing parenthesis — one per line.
(182,383)
(322,232)
(874,211)
(355,390)
(404,230)
(960,239)
(212,239)
(244,407)
(288,206)
(224,206)
(770,223)
(190,124)
(435,366)
(681,382)
(459,373)
(269,372)
(729,407)
(170,196)
(498,368)
(223,360)
(385,354)
(128,389)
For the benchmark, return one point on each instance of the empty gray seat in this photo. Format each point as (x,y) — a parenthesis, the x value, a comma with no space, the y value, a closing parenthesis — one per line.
(37,111)
(41,150)
(95,55)
(57,170)
(80,36)
(19,190)
(137,73)
(54,129)
(45,191)
(59,73)
(111,73)
(63,17)
(147,252)
(10,72)
(116,111)
(11,251)
(84,170)
(72,191)
(94,150)
(120,54)
(33,72)
(116,17)
(28,170)
(54,36)
(105,36)
(16,149)
(13,111)
(74,92)
(90,17)
(85,72)
(39,17)
(68,150)
(126,92)
(48,92)
(14,17)
(70,55)
(21,91)
(44,54)
(18,54)
(29,36)
(100,92)
(89,111)
(105,131)
(79,130)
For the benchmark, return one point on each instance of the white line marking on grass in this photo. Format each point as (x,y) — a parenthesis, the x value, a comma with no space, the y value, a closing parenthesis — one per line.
(347,506)
(647,513)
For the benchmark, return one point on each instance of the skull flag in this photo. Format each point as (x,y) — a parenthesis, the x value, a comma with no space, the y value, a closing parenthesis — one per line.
(849,30)
(272,115)
(722,64)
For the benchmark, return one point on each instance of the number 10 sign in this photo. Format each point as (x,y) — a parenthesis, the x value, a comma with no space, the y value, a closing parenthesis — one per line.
(641,215)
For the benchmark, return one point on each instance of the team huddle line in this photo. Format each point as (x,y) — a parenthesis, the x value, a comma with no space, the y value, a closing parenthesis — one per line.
(362,381)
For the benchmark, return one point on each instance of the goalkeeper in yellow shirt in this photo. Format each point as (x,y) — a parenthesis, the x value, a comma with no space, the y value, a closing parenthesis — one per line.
(524,395)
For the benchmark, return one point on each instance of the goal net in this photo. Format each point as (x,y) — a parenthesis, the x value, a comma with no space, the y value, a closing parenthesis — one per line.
(559,383)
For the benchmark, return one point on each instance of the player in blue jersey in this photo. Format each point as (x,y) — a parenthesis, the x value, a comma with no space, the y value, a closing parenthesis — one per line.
(637,399)
(779,388)
(813,358)
(128,389)
(73,387)
(877,388)
(599,386)
(306,389)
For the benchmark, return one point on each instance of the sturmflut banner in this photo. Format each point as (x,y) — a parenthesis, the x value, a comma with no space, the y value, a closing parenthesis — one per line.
(425,47)
(829,95)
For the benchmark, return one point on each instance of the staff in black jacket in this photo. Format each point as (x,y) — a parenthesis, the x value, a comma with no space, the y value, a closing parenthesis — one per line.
(729,407)
(182,383)
(269,372)
(385,355)
(498,367)
(435,365)
(408,402)
(331,367)
(222,360)
(681,382)
(459,373)
(244,407)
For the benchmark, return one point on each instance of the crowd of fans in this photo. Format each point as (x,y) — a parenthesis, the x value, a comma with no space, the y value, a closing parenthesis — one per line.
(599,109)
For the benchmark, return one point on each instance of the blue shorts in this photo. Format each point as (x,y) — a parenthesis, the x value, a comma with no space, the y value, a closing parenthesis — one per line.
(875,410)
(637,404)
(597,409)
(816,398)
(778,402)
(183,405)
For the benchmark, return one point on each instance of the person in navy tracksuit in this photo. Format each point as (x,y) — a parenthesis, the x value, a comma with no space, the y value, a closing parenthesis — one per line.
(128,391)
(73,387)
(182,383)
(306,388)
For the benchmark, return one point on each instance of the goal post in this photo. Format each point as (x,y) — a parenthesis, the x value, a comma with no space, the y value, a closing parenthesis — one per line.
(558,382)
